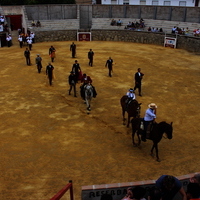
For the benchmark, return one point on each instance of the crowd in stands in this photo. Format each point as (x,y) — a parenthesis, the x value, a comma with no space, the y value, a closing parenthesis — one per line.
(180,31)
(166,188)
(153,29)
(135,25)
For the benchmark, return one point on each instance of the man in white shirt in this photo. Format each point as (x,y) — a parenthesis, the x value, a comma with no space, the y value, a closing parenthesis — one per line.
(9,40)
(149,117)
(29,42)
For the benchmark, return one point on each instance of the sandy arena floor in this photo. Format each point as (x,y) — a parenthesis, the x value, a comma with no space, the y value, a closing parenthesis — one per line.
(47,138)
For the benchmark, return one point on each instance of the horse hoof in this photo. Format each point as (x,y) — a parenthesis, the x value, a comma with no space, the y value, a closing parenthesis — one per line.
(88,112)
(158,160)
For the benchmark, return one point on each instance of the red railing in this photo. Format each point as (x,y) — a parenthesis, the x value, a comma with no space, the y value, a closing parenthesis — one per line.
(63,191)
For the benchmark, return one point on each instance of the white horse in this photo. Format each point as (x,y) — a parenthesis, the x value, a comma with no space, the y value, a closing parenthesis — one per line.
(88,89)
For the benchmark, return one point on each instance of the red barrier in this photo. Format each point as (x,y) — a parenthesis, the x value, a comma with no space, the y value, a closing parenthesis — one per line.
(63,191)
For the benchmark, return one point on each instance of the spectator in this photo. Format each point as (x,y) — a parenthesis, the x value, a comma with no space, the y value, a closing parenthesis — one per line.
(154,194)
(173,30)
(170,186)
(2,20)
(119,22)
(187,31)
(38,24)
(195,179)
(33,23)
(149,29)
(193,191)
(113,22)
(160,30)
(136,193)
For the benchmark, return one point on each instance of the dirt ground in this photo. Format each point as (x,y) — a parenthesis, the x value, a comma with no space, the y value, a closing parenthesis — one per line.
(47,138)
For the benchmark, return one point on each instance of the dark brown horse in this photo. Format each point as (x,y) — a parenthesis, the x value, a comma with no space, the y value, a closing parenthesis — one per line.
(156,134)
(133,109)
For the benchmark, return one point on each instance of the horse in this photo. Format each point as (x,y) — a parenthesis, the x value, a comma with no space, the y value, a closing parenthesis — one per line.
(133,109)
(88,92)
(156,134)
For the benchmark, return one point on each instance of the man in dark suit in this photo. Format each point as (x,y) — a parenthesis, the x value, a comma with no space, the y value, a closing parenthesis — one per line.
(27,56)
(138,80)
(76,69)
(72,83)
(49,72)
(109,63)
(73,49)
(90,57)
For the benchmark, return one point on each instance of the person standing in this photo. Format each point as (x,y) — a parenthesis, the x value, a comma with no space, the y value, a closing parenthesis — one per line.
(72,83)
(32,36)
(149,118)
(90,57)
(138,80)
(20,39)
(29,42)
(73,49)
(27,56)
(170,186)
(38,61)
(9,40)
(76,69)
(52,53)
(49,72)
(109,63)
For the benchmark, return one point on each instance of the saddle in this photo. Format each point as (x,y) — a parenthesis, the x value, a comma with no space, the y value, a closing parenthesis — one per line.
(148,129)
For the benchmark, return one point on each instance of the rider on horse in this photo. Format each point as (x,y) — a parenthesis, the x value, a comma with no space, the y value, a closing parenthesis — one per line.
(85,80)
(149,117)
(131,96)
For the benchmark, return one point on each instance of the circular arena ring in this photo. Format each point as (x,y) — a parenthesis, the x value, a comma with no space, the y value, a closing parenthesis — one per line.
(47,138)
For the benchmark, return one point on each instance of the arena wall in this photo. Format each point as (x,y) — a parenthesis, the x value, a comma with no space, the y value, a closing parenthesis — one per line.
(188,43)
(118,190)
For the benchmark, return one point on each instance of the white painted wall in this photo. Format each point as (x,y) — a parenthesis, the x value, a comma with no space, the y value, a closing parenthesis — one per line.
(189,3)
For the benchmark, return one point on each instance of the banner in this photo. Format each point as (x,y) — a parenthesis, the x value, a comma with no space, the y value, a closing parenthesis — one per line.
(170,42)
(83,36)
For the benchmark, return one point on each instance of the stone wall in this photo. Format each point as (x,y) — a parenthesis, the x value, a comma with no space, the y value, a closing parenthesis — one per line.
(191,44)
(47,36)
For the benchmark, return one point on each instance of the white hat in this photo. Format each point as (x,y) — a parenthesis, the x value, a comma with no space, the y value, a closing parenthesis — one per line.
(152,105)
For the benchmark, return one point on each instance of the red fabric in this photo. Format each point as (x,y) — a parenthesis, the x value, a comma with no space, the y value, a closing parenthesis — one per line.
(80,75)
(89,80)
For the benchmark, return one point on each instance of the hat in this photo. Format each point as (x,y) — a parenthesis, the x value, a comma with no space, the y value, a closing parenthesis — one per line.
(38,54)
(152,105)
(131,90)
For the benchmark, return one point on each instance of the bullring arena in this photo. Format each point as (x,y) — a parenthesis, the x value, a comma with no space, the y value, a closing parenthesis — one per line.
(47,138)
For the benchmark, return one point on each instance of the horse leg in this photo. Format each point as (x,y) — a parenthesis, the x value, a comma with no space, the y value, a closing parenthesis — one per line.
(152,150)
(128,121)
(156,147)
(123,115)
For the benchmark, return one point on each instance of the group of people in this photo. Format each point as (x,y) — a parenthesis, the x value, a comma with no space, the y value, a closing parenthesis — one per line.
(166,188)
(75,76)
(153,29)
(150,114)
(37,24)
(116,22)
(26,39)
(135,25)
(180,31)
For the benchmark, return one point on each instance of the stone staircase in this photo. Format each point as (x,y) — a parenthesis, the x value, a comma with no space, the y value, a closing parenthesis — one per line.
(47,25)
